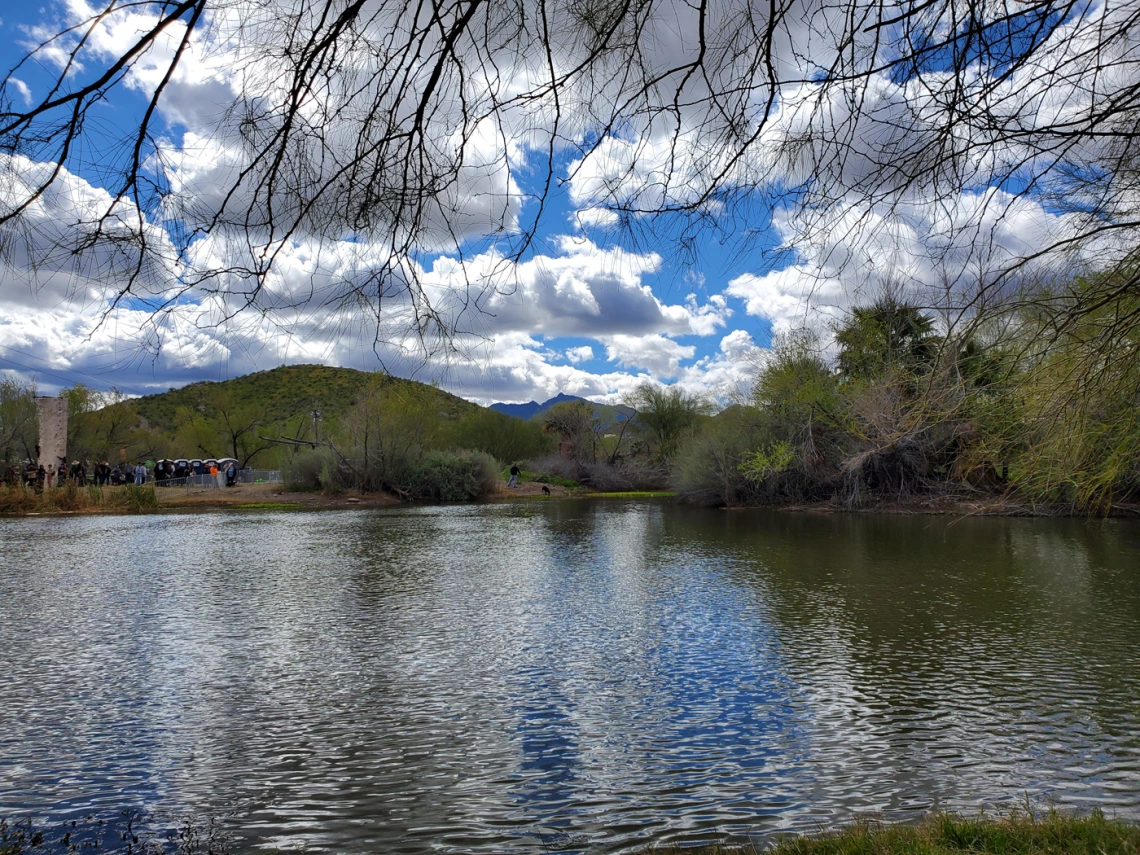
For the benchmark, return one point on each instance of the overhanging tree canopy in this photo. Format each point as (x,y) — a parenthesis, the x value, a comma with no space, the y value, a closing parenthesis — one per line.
(384,132)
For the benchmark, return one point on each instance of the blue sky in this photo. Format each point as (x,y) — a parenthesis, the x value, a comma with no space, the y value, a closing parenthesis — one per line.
(588,309)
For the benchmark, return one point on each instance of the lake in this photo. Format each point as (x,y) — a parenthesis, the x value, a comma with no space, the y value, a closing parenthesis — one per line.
(569,675)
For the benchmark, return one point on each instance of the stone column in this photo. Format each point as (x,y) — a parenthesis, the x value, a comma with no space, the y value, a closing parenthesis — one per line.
(52,413)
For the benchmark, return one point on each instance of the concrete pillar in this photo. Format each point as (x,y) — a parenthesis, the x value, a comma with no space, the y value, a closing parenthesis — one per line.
(52,413)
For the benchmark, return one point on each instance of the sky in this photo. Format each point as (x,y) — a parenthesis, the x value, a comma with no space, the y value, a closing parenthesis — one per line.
(588,309)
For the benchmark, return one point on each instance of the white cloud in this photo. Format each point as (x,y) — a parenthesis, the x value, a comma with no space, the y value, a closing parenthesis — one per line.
(660,356)
(22,89)
(947,257)
(574,355)
(594,218)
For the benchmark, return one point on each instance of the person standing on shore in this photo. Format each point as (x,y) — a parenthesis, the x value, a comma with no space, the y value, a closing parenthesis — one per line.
(140,474)
(514,481)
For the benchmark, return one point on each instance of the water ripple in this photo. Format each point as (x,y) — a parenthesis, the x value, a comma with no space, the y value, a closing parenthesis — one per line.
(563,676)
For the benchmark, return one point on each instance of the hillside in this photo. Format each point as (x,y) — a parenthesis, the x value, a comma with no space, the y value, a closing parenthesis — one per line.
(260,419)
(285,393)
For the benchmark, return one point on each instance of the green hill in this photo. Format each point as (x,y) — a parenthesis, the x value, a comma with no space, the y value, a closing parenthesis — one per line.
(282,394)
(264,418)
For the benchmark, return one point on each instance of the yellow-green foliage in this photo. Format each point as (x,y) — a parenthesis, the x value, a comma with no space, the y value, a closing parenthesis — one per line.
(1052,833)
(1079,400)
(765,462)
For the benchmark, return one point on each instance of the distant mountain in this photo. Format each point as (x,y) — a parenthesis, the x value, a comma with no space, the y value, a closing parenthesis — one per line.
(526,412)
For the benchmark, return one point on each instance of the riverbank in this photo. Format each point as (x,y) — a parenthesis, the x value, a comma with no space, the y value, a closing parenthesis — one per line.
(955,505)
(1050,833)
(148,499)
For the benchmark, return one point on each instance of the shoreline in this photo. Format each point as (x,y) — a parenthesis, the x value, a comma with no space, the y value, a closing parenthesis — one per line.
(1019,832)
(279,497)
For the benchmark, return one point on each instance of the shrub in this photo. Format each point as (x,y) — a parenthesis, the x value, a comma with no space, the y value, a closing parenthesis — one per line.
(555,469)
(17,500)
(454,476)
(707,469)
(137,498)
(311,469)
(66,498)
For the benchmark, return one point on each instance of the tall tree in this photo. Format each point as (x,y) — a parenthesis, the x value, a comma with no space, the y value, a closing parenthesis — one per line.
(18,422)
(667,415)
(887,334)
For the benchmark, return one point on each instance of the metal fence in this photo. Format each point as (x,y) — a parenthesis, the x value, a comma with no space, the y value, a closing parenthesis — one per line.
(214,482)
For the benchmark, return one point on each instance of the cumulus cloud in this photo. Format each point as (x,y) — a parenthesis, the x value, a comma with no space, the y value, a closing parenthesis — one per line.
(583,290)
(341,290)
(660,356)
(949,258)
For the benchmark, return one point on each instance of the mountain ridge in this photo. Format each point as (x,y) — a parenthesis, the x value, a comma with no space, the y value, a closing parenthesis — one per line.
(528,411)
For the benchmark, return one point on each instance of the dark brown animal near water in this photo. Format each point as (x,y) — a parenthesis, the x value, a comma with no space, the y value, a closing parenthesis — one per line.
(545,489)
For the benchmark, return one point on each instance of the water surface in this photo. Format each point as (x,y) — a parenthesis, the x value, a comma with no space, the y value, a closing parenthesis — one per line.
(563,675)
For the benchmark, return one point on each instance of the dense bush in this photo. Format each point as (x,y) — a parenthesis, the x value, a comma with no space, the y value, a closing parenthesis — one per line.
(310,469)
(447,476)
(707,470)
(453,476)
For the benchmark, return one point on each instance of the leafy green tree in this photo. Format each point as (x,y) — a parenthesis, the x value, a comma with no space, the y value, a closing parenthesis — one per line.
(382,436)
(104,426)
(666,415)
(18,422)
(1078,396)
(502,436)
(239,424)
(885,335)
(576,427)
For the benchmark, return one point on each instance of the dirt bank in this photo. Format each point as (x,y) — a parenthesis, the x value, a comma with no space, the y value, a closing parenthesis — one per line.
(266,495)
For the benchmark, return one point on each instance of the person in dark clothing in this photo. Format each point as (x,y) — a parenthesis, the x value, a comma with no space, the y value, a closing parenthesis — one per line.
(515,471)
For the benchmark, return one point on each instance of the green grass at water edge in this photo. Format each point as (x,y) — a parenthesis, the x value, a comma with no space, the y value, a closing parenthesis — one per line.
(1021,833)
(261,506)
(634,494)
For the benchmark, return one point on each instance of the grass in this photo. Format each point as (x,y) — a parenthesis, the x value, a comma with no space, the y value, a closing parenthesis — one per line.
(16,501)
(636,494)
(1021,833)
(262,506)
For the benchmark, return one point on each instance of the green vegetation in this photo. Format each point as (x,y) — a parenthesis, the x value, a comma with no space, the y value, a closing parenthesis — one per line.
(1043,412)
(266,506)
(1030,411)
(70,498)
(396,437)
(1052,833)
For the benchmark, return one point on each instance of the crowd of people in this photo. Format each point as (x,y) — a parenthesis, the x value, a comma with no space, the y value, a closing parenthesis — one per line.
(32,475)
